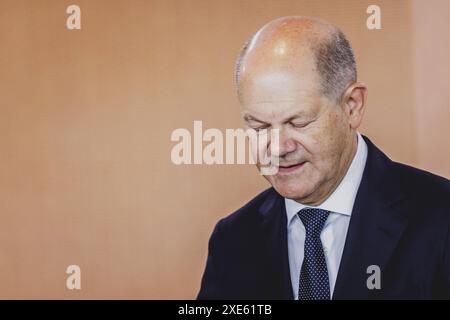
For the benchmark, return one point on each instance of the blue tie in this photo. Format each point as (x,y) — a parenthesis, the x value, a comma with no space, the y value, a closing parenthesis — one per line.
(314,283)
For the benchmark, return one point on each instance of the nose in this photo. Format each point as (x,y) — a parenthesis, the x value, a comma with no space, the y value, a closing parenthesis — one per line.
(283,145)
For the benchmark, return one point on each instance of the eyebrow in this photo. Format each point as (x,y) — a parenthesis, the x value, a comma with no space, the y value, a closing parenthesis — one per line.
(300,114)
(248,117)
(297,115)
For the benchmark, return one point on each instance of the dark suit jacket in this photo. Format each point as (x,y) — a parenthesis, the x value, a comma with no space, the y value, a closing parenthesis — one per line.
(400,222)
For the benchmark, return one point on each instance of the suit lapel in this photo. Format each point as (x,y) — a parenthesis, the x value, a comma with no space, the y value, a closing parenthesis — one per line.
(375,227)
(273,230)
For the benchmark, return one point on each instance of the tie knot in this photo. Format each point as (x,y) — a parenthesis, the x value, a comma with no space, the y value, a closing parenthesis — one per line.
(313,219)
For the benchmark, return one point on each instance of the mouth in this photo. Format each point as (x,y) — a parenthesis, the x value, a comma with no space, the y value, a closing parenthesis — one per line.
(291,168)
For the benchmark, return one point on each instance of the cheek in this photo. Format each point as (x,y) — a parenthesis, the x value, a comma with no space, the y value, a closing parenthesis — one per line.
(323,144)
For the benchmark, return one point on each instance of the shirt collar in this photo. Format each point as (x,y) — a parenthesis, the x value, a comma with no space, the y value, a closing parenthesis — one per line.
(343,197)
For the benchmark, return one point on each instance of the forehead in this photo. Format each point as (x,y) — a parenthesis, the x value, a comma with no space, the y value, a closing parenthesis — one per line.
(280,93)
(279,85)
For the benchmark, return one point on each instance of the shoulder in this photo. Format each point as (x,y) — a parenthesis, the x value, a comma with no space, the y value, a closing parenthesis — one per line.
(393,179)
(248,215)
(422,184)
(250,211)
(426,198)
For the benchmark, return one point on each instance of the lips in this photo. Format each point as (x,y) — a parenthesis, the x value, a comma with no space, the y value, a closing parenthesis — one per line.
(290,168)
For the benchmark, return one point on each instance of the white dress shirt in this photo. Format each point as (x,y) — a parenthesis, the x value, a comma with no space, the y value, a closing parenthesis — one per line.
(334,232)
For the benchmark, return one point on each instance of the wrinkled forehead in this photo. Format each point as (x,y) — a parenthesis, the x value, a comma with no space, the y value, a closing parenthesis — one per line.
(274,86)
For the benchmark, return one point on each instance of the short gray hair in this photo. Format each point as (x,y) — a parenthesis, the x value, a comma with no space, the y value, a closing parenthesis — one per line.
(335,63)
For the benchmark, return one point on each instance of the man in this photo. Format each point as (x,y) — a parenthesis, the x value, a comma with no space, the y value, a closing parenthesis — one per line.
(341,221)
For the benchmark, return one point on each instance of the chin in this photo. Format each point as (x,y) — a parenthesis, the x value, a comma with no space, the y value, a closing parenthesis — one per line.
(290,190)
(292,194)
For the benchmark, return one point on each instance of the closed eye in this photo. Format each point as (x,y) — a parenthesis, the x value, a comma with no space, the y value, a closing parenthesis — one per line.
(300,124)
(257,129)
(257,125)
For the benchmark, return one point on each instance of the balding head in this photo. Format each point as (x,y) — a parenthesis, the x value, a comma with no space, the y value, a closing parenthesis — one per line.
(303,46)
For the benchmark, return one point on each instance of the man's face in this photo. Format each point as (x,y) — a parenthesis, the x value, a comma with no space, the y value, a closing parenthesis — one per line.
(314,132)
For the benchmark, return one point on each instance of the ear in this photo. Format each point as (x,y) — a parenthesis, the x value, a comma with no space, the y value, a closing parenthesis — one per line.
(354,102)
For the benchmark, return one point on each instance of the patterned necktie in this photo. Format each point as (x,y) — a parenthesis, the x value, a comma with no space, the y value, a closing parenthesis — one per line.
(314,283)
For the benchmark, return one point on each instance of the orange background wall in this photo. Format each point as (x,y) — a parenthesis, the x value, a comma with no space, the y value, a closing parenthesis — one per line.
(86,118)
